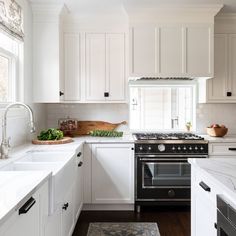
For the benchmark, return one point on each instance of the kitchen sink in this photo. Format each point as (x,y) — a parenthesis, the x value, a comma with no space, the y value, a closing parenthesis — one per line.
(61,164)
(43,156)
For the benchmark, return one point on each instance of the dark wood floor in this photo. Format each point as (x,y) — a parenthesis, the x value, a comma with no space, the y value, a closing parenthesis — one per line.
(171,222)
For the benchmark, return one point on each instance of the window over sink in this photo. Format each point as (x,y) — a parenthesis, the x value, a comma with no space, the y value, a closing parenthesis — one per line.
(155,107)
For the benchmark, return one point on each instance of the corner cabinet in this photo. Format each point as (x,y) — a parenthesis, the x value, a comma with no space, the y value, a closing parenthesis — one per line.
(112,174)
(222,88)
(105,67)
(171,50)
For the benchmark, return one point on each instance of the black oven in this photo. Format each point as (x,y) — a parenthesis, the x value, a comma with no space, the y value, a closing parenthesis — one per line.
(161,178)
(226,218)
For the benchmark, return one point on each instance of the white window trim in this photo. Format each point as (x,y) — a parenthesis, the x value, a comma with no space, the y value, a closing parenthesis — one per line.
(191,84)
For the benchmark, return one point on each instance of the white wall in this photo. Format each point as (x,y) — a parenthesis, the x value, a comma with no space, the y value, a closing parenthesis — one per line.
(206,114)
(17,122)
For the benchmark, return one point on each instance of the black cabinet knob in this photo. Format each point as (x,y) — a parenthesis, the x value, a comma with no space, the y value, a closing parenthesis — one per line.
(229,94)
(106,94)
(65,206)
(61,93)
(80,164)
(79,154)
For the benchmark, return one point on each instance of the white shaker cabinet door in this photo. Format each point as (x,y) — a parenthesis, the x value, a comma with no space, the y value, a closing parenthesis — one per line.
(112,173)
(143,51)
(72,57)
(217,87)
(171,51)
(115,67)
(199,51)
(95,66)
(231,83)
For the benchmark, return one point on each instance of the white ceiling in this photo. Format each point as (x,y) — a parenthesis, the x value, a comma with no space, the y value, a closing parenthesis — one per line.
(117,6)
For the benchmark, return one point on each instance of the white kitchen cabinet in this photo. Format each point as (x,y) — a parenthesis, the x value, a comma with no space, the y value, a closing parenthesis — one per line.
(222,88)
(32,222)
(105,67)
(171,50)
(200,51)
(72,67)
(78,186)
(46,52)
(222,149)
(218,85)
(67,215)
(203,205)
(144,50)
(112,173)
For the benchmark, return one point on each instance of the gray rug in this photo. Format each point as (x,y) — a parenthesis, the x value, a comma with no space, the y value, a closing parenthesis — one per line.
(123,229)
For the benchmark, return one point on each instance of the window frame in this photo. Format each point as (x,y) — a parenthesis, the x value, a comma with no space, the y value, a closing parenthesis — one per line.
(165,84)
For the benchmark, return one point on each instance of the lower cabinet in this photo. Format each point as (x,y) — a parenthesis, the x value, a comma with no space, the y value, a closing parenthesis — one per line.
(112,173)
(61,223)
(203,205)
(29,219)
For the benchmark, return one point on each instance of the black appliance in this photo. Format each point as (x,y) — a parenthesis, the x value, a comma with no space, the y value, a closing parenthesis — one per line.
(162,171)
(226,218)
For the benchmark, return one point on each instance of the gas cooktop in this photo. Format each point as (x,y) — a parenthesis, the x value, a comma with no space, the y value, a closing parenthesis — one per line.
(166,136)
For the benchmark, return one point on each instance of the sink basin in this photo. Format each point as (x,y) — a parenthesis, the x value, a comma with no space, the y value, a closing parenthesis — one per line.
(42,156)
(61,164)
(28,166)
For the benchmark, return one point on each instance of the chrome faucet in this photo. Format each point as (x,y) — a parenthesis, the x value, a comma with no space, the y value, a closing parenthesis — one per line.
(5,141)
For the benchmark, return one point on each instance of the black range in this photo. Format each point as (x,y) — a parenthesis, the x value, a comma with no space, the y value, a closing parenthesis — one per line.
(162,172)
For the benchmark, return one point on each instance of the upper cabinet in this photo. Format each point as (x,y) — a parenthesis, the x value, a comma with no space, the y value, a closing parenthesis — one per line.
(105,67)
(222,88)
(94,67)
(46,52)
(171,50)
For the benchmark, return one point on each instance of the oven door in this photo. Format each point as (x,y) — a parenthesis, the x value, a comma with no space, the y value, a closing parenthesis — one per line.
(162,178)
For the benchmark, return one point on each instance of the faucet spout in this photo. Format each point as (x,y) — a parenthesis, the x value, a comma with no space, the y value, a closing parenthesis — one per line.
(5,141)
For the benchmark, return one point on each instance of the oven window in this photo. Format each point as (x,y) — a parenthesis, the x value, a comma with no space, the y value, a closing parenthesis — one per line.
(165,174)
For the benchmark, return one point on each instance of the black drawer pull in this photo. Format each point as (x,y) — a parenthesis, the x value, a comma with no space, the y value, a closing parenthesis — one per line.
(26,207)
(79,154)
(229,94)
(65,206)
(80,164)
(106,94)
(232,149)
(204,186)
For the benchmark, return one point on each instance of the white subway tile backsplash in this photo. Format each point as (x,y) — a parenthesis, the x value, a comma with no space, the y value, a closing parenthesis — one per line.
(206,114)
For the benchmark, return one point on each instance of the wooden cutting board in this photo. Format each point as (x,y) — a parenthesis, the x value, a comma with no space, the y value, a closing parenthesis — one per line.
(53,142)
(84,127)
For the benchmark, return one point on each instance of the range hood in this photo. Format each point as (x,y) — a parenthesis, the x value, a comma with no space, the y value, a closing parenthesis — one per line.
(172,41)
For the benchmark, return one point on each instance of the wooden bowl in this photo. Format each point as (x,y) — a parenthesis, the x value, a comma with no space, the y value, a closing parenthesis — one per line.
(217,132)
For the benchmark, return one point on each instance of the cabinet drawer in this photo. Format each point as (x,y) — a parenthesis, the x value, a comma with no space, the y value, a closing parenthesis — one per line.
(206,188)
(228,149)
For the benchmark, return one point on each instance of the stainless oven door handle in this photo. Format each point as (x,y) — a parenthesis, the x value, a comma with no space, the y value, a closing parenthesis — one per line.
(161,159)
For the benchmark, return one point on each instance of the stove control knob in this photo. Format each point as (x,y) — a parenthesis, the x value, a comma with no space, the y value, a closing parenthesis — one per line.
(149,148)
(141,148)
(162,148)
(184,148)
(196,148)
(173,148)
(190,148)
(201,148)
(179,148)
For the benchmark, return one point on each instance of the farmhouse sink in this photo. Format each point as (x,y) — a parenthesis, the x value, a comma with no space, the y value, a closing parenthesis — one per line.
(43,156)
(61,164)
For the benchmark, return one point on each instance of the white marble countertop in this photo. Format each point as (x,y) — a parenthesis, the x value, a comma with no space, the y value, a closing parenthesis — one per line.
(226,139)
(16,187)
(221,170)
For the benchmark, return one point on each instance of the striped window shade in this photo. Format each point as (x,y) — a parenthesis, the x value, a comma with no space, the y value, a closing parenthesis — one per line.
(11,19)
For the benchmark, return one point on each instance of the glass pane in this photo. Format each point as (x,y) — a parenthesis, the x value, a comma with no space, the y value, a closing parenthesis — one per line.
(161,108)
(166,174)
(4,76)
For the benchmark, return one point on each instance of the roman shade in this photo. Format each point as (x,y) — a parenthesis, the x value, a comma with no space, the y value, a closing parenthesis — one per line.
(11,19)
